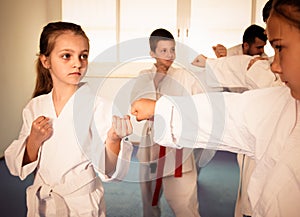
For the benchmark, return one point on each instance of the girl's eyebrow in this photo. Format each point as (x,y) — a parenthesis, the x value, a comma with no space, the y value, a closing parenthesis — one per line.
(65,50)
(274,40)
(71,50)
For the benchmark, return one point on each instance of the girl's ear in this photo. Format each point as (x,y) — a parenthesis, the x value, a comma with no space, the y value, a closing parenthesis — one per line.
(45,61)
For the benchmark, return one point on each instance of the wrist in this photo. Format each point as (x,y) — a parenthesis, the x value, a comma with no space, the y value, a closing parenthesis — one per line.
(114,140)
(113,145)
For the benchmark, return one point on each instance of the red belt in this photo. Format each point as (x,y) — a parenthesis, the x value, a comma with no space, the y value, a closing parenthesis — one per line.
(160,171)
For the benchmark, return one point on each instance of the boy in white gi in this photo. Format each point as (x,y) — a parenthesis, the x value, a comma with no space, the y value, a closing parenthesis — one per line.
(67,133)
(264,123)
(165,170)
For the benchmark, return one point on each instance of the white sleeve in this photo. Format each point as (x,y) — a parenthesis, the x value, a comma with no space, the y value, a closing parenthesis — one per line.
(220,121)
(14,154)
(260,76)
(123,162)
(227,71)
(232,72)
(198,122)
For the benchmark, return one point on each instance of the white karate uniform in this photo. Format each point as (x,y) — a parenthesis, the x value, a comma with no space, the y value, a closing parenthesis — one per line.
(235,50)
(183,201)
(65,181)
(232,72)
(263,124)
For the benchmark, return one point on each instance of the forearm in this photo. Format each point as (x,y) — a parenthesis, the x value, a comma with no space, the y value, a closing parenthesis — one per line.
(112,149)
(31,151)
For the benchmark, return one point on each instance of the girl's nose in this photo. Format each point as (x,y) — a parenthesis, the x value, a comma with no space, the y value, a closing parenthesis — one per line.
(77,63)
(275,65)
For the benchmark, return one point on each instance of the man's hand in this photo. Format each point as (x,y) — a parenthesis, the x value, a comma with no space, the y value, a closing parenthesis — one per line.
(143,109)
(220,50)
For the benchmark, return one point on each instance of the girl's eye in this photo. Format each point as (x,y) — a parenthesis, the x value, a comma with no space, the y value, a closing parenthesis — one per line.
(66,56)
(278,47)
(84,56)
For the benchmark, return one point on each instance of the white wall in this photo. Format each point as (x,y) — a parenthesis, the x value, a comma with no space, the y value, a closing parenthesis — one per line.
(21,23)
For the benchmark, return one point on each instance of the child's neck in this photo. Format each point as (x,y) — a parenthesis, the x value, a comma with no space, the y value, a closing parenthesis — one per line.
(61,96)
(160,68)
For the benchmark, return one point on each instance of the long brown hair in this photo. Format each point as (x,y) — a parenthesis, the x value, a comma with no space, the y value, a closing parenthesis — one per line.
(49,34)
(289,10)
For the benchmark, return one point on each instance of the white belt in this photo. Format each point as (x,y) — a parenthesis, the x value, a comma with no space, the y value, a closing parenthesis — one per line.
(85,183)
